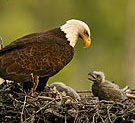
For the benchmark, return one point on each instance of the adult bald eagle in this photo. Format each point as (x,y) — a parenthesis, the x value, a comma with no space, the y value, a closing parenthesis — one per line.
(42,54)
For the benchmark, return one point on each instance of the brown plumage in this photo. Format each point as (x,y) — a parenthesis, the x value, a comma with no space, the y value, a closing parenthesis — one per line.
(42,54)
(37,54)
(104,89)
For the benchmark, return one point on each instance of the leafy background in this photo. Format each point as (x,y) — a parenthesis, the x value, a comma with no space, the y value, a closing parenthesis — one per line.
(112,27)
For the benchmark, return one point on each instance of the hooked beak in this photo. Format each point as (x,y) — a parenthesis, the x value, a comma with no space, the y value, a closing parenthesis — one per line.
(87,41)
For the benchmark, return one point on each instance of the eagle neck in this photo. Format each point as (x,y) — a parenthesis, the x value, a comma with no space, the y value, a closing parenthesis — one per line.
(57,33)
(72,33)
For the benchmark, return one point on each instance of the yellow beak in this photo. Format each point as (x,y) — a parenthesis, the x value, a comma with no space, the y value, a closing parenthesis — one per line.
(87,41)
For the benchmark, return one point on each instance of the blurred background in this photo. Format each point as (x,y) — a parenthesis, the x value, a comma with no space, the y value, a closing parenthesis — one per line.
(112,25)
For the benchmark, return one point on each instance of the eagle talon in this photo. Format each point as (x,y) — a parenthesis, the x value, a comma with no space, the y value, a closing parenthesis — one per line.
(36,82)
(32,78)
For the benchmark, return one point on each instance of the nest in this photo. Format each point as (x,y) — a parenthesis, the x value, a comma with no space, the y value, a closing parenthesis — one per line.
(51,106)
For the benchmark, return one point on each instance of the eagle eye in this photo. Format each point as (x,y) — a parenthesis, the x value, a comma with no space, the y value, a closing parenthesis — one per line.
(86,33)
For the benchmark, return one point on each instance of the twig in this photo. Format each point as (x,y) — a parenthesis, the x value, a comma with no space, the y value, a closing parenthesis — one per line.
(65,119)
(130,95)
(125,88)
(32,118)
(45,105)
(11,96)
(93,119)
(108,114)
(45,98)
(18,101)
(23,109)
(76,117)
(40,97)
(83,91)
(55,113)
(100,117)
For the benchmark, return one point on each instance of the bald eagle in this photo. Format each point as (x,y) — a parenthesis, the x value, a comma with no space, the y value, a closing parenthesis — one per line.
(42,54)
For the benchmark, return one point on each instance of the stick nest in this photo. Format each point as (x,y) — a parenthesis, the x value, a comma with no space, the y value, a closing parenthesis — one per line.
(51,106)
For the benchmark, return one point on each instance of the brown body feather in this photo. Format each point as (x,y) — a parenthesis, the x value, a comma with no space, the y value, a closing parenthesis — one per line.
(43,54)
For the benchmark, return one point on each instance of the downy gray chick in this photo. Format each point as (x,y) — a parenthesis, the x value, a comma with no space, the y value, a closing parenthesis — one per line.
(104,89)
(61,87)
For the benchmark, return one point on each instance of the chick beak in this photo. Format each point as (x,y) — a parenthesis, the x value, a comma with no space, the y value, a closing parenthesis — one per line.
(91,76)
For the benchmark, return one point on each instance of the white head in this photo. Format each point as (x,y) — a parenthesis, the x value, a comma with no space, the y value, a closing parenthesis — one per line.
(75,29)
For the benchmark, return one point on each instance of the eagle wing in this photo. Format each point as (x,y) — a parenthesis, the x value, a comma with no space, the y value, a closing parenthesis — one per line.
(39,54)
